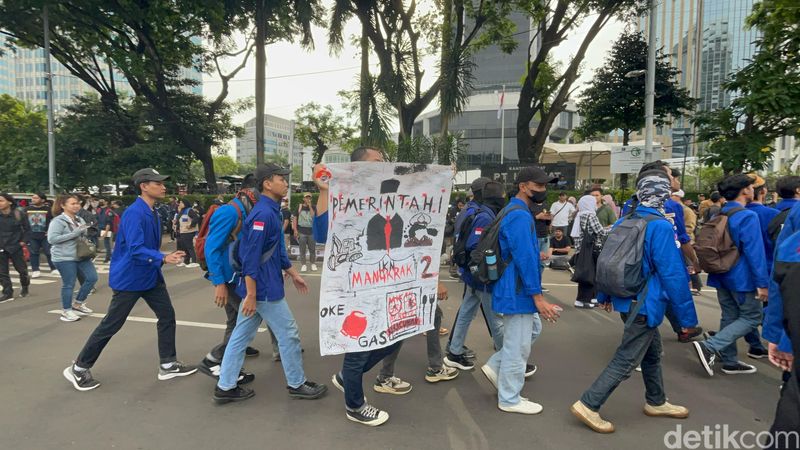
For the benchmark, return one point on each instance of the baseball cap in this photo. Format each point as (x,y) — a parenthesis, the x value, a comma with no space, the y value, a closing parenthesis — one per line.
(534,174)
(148,174)
(268,170)
(757,180)
(478,184)
(306,194)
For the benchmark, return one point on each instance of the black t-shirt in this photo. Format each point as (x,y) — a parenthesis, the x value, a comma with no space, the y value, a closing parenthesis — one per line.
(556,244)
(286,214)
(541,225)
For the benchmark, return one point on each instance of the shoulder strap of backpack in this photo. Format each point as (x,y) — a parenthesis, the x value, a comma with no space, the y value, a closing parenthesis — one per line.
(238,226)
(732,211)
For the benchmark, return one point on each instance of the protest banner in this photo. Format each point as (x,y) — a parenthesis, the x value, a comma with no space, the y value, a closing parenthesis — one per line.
(381,269)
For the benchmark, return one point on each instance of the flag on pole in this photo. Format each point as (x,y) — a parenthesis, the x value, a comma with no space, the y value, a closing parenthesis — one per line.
(500,108)
(795,164)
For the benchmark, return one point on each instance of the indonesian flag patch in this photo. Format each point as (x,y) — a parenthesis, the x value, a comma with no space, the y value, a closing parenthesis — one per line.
(258,226)
(478,231)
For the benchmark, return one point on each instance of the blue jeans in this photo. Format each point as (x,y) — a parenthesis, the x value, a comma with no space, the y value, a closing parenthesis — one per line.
(355,365)
(280,320)
(640,345)
(69,273)
(509,362)
(38,246)
(544,246)
(473,298)
(737,320)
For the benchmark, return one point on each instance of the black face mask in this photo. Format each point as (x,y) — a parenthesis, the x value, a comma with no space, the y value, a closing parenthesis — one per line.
(539,197)
(495,203)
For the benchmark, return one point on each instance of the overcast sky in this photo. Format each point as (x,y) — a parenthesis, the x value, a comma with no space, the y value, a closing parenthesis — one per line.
(292,81)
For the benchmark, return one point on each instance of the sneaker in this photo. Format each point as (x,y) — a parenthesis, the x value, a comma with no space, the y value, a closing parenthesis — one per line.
(180,264)
(392,385)
(308,391)
(6,298)
(584,305)
(192,265)
(236,394)
(36,274)
(530,369)
(469,353)
(368,415)
(490,374)
(458,361)
(545,290)
(689,334)
(276,357)
(24,291)
(666,410)
(706,357)
(209,368)
(54,272)
(81,308)
(69,315)
(523,407)
(177,369)
(443,374)
(590,418)
(245,378)
(739,368)
(757,353)
(251,352)
(337,382)
(314,268)
(81,379)
(304,268)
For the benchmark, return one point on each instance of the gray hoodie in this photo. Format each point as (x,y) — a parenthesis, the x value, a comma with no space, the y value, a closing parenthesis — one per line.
(63,237)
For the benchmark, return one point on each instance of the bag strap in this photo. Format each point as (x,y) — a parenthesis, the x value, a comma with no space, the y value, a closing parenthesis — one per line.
(637,304)
(238,226)
(731,211)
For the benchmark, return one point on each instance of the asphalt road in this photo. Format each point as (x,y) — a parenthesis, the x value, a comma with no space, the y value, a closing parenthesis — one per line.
(133,410)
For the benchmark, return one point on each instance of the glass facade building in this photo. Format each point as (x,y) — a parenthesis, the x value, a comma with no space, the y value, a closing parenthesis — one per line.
(278,136)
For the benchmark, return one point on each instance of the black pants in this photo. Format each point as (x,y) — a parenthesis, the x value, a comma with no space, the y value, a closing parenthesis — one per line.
(585,292)
(186,243)
(232,313)
(18,260)
(122,302)
(787,414)
(355,365)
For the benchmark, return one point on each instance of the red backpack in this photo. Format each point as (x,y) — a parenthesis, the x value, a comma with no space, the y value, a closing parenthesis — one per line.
(202,235)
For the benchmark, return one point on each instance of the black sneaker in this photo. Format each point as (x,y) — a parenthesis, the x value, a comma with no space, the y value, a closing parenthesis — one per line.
(209,368)
(6,298)
(81,380)
(24,291)
(458,361)
(308,391)
(739,368)
(530,369)
(368,415)
(469,353)
(337,381)
(757,353)
(251,352)
(691,333)
(706,357)
(177,369)
(236,394)
(245,378)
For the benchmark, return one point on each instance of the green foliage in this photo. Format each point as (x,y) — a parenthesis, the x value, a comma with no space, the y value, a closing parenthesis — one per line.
(379,115)
(430,149)
(23,146)
(320,127)
(731,145)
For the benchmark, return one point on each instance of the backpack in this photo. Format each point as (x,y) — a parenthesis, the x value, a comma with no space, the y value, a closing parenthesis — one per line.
(714,246)
(776,225)
(460,256)
(711,212)
(619,266)
(202,235)
(490,240)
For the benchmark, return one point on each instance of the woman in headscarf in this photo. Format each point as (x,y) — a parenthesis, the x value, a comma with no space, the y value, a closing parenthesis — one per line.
(587,225)
(607,211)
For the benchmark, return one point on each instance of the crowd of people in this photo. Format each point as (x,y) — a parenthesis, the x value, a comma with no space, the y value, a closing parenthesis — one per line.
(642,260)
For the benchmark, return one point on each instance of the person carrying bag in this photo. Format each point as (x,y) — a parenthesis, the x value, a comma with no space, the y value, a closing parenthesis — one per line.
(588,235)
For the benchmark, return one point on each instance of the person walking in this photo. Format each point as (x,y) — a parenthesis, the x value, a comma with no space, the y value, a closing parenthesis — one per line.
(303,223)
(587,226)
(136,273)
(562,212)
(14,232)
(65,231)
(187,222)
(542,218)
(39,217)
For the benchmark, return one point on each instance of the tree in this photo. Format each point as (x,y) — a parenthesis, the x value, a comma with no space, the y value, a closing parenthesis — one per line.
(613,102)
(320,127)
(543,96)
(23,146)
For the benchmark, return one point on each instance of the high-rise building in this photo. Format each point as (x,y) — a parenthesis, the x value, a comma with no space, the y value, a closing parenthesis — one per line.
(495,69)
(278,139)
(6,71)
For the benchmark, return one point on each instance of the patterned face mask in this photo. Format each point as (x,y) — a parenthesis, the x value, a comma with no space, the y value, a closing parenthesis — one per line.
(653,192)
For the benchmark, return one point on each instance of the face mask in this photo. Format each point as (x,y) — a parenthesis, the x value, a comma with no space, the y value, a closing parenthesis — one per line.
(539,197)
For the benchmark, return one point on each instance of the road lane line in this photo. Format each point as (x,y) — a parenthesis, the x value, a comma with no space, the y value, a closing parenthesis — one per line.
(185,323)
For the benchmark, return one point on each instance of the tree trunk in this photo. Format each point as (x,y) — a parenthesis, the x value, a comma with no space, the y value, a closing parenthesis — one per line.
(365,87)
(261,61)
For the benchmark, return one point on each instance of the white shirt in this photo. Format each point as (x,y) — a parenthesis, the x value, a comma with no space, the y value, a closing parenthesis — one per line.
(561,213)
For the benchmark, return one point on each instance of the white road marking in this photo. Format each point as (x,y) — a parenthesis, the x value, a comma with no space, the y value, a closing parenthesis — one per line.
(33,281)
(185,323)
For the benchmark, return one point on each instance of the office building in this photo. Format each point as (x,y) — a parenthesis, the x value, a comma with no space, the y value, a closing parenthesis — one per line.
(278,139)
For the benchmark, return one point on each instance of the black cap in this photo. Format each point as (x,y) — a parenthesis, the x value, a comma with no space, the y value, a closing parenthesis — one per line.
(534,174)
(478,184)
(493,189)
(148,174)
(268,170)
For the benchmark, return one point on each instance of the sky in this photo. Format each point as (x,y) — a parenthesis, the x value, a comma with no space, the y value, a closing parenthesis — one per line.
(296,76)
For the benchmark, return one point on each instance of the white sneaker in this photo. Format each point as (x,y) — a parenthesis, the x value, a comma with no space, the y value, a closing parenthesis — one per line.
(304,268)
(81,308)
(523,407)
(180,264)
(54,272)
(314,268)
(192,265)
(490,374)
(36,274)
(69,315)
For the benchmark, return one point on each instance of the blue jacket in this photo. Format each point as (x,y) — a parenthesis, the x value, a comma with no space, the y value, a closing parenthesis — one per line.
(319,228)
(674,212)
(765,216)
(773,329)
(137,259)
(750,271)
(513,292)
(222,224)
(261,230)
(484,216)
(787,203)
(668,281)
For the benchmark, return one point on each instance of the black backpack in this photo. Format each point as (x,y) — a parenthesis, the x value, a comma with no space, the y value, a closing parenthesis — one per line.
(490,240)
(619,266)
(460,255)
(776,225)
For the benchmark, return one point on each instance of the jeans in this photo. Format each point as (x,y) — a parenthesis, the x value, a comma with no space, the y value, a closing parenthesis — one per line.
(18,260)
(37,246)
(544,245)
(232,313)
(122,303)
(433,342)
(354,366)
(69,273)
(640,345)
(737,320)
(107,246)
(280,319)
(186,243)
(307,243)
(473,298)
(509,362)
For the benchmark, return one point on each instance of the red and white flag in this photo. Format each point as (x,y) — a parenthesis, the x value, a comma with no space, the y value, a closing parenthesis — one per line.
(500,108)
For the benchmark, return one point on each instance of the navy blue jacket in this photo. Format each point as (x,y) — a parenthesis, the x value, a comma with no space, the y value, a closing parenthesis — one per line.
(513,292)
(261,230)
(765,216)
(220,227)
(319,228)
(750,271)
(137,259)
(773,329)
(483,217)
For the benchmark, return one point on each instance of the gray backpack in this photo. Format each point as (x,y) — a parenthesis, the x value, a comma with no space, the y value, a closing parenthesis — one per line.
(619,266)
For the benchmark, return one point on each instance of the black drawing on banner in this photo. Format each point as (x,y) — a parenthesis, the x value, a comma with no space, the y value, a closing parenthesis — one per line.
(384,232)
(345,247)
(405,170)
(419,235)
(402,311)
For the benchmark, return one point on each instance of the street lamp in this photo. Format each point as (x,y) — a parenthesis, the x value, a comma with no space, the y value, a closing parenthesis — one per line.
(635,73)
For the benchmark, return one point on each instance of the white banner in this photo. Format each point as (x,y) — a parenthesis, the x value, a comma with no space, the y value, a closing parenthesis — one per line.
(381,268)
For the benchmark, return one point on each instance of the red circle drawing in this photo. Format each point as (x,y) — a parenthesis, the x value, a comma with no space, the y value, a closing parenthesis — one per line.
(354,325)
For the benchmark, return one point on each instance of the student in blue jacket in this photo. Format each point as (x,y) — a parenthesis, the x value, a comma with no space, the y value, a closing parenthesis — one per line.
(667,285)
(741,290)
(135,273)
(517,295)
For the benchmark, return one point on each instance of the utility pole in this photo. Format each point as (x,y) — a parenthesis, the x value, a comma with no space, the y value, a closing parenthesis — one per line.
(261,61)
(650,85)
(51,137)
